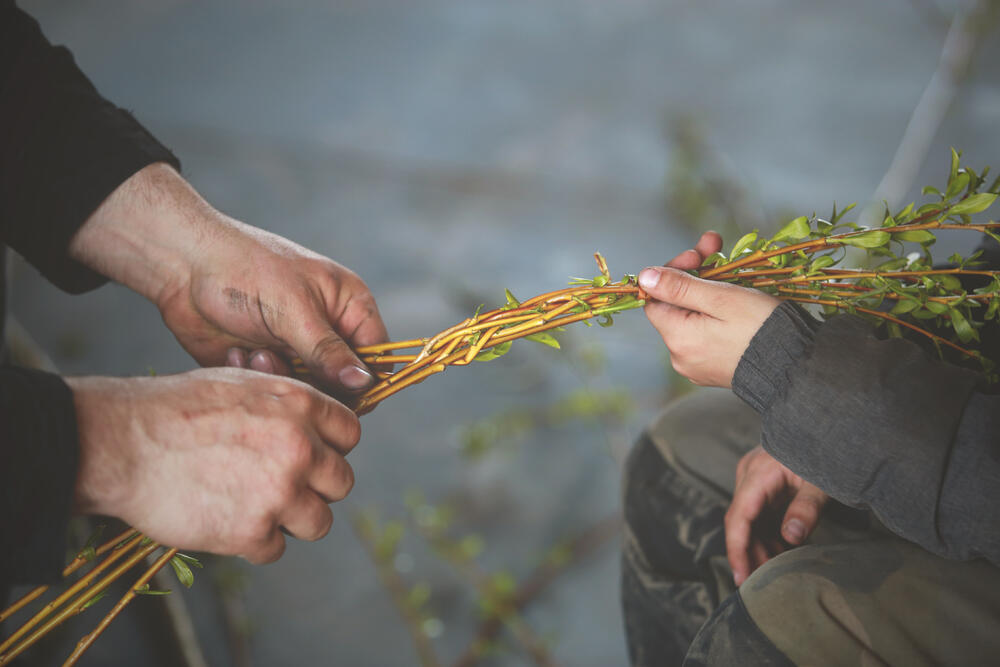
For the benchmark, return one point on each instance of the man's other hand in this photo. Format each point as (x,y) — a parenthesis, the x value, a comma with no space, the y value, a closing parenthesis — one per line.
(214,460)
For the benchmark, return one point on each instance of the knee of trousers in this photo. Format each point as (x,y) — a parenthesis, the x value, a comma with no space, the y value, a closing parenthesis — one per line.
(878,601)
(801,607)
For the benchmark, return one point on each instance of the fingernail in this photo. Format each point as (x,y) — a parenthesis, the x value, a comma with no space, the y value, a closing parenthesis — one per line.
(648,278)
(794,530)
(355,377)
(739,578)
(236,358)
(261,361)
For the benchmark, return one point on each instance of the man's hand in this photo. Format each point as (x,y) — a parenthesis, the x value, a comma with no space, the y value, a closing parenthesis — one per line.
(706,325)
(213,460)
(221,284)
(770,504)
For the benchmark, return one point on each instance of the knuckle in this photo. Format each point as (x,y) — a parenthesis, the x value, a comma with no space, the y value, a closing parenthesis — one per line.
(676,287)
(271,551)
(297,397)
(329,346)
(293,449)
(344,480)
(321,524)
(351,430)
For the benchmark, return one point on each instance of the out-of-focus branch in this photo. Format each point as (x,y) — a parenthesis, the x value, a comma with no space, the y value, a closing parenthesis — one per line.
(965,34)
(576,550)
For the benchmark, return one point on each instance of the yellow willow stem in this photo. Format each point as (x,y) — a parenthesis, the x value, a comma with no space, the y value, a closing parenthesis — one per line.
(6,655)
(70,592)
(422,368)
(85,643)
(74,565)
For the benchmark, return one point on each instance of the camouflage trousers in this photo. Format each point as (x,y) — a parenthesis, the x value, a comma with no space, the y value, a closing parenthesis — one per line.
(854,595)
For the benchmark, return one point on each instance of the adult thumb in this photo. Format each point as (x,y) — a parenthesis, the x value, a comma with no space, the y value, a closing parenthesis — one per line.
(330,359)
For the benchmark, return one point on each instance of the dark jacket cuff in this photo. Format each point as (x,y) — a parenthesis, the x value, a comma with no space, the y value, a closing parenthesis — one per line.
(39,451)
(781,341)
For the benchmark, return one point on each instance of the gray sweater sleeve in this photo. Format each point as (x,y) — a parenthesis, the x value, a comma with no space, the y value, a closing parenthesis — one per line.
(880,424)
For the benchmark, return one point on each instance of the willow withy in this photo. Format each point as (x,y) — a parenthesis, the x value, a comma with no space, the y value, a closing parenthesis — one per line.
(902,290)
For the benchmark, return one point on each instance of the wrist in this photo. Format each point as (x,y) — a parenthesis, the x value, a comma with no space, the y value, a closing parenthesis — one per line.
(144,234)
(105,469)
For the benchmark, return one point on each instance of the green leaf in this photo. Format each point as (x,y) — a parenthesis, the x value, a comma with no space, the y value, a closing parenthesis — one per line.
(544,339)
(873,239)
(183,572)
(955,186)
(905,306)
(992,310)
(418,596)
(929,190)
(625,303)
(492,353)
(743,244)
(949,282)
(973,204)
(714,258)
(916,236)
(954,165)
(821,262)
(512,301)
(89,603)
(835,217)
(190,560)
(923,314)
(146,590)
(606,320)
(962,327)
(794,230)
(936,307)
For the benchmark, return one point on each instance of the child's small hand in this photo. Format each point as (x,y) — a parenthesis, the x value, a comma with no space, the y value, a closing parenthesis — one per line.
(706,325)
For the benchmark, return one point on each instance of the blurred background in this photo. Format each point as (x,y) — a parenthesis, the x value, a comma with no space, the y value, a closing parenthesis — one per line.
(446,151)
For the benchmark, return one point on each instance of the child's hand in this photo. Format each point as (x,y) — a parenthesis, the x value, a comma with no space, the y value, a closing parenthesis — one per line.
(706,325)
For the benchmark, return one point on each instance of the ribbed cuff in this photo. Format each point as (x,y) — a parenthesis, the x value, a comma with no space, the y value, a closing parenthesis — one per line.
(784,338)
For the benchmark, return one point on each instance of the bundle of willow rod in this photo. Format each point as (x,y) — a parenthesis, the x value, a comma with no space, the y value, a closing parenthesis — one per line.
(127,550)
(485,336)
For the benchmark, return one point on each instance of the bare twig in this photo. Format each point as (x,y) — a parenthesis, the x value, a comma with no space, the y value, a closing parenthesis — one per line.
(397,589)
(578,549)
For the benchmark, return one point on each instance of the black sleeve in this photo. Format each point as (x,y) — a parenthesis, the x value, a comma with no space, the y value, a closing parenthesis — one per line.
(63,149)
(38,462)
(880,424)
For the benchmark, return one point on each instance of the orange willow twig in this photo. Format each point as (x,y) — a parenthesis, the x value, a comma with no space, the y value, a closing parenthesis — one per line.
(85,643)
(8,654)
(460,344)
(77,562)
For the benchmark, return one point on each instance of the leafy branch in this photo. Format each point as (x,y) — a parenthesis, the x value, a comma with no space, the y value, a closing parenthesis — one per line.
(798,263)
